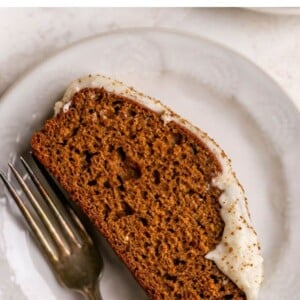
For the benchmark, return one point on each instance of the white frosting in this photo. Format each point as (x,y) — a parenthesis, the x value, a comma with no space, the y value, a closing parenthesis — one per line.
(111,86)
(238,254)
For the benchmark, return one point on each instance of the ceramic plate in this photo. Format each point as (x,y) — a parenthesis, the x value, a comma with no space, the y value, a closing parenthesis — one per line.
(215,88)
(277,10)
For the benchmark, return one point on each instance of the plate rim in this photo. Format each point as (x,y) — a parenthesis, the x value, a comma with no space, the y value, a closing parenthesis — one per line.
(276,11)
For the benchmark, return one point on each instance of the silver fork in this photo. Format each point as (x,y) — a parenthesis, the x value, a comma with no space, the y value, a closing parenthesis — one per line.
(63,239)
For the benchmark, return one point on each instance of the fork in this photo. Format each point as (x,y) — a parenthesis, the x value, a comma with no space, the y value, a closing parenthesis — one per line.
(64,241)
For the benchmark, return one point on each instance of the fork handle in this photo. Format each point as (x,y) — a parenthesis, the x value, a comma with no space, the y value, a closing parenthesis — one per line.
(92,293)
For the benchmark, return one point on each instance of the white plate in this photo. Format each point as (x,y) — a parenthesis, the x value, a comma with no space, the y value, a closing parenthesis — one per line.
(215,88)
(277,10)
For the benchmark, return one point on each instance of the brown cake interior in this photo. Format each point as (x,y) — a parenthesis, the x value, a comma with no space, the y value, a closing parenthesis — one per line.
(147,188)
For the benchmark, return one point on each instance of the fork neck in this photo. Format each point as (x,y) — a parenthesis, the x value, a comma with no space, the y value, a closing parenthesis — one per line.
(92,293)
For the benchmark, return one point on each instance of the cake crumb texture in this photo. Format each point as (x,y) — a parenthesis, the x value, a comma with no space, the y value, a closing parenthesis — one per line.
(147,187)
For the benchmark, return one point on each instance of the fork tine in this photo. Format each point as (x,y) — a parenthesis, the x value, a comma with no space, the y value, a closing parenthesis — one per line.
(43,241)
(58,214)
(79,224)
(41,213)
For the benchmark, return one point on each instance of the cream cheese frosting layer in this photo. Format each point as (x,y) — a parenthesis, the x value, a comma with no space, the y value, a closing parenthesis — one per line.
(238,254)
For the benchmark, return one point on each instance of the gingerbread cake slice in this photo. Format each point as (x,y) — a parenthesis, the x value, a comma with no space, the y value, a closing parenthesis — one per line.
(160,190)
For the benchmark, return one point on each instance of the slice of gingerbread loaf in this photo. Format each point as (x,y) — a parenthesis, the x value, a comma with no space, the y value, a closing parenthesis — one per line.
(157,188)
